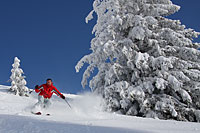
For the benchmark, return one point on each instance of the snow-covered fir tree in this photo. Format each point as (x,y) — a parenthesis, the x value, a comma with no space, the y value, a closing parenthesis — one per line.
(18,82)
(148,65)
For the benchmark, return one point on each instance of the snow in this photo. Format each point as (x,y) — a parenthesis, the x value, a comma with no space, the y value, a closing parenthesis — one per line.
(138,33)
(89,17)
(86,116)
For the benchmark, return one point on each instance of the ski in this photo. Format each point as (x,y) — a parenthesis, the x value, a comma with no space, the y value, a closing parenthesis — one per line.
(38,113)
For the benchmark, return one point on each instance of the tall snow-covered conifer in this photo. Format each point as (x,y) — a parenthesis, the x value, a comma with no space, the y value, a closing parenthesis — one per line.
(18,82)
(147,64)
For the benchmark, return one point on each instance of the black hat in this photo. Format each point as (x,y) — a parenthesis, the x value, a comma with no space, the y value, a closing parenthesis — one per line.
(49,79)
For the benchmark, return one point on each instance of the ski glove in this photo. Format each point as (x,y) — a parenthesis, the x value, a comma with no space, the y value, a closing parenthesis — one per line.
(36,87)
(62,96)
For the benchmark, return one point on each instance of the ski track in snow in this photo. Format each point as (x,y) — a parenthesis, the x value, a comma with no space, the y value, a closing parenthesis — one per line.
(86,116)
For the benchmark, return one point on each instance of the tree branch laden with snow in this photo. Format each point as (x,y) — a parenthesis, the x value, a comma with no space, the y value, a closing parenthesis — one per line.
(18,82)
(148,65)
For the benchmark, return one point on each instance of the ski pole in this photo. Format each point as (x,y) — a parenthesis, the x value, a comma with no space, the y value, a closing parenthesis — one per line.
(68,103)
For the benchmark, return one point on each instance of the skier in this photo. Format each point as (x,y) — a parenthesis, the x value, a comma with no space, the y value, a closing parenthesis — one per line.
(45,93)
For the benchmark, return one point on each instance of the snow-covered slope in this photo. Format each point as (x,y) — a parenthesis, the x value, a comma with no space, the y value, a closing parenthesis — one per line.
(85,117)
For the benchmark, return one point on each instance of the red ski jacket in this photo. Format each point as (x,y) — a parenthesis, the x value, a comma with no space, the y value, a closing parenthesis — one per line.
(47,91)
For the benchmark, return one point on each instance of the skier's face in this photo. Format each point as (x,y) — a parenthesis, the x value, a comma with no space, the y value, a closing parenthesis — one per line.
(49,82)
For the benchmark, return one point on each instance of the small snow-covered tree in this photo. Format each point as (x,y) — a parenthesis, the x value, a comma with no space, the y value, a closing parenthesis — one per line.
(18,82)
(148,65)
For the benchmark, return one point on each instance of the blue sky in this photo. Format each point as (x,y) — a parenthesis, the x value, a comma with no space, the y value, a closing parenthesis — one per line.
(51,36)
